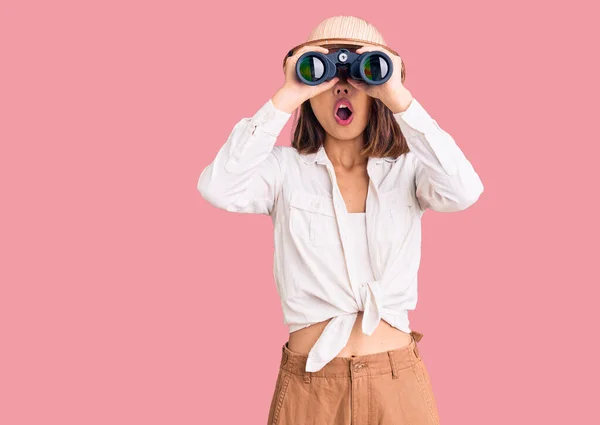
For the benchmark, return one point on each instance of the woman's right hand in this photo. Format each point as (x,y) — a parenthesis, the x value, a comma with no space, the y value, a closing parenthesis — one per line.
(294,92)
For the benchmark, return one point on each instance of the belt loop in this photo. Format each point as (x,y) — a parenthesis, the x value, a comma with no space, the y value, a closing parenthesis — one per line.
(307,377)
(284,356)
(416,335)
(393,365)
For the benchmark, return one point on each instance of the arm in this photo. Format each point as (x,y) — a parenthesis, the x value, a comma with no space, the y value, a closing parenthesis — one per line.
(445,179)
(246,174)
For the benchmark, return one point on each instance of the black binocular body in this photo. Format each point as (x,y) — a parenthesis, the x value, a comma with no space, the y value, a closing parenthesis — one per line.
(314,68)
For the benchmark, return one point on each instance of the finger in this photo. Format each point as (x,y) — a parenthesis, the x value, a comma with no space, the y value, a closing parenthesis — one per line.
(320,48)
(331,82)
(367,49)
(311,48)
(364,49)
(356,84)
(327,85)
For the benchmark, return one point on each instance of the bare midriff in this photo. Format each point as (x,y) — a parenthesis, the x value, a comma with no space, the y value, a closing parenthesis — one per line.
(384,338)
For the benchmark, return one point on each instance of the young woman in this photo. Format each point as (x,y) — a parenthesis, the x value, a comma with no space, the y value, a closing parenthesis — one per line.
(346,200)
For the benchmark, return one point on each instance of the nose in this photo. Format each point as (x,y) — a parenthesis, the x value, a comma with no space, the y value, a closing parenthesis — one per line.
(342,84)
(342,73)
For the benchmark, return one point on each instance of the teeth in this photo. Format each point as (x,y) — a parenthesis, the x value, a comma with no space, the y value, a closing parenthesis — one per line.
(342,106)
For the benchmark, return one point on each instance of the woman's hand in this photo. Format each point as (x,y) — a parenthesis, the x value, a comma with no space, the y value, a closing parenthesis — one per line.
(294,92)
(392,93)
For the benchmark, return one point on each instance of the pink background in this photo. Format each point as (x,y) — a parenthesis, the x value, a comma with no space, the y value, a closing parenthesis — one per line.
(124,295)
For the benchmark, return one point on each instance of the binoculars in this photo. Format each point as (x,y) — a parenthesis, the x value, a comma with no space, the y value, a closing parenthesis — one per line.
(314,68)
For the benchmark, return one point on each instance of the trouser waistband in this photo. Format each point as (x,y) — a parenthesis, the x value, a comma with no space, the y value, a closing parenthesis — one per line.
(390,361)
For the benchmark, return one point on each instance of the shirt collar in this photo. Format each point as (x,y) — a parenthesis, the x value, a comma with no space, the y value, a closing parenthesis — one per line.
(320,157)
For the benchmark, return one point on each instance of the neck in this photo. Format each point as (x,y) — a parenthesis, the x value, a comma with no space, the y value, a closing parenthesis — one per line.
(345,153)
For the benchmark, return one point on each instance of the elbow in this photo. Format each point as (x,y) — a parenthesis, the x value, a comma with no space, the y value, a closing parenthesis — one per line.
(203,188)
(214,198)
(455,194)
(203,184)
(458,200)
(208,191)
(469,196)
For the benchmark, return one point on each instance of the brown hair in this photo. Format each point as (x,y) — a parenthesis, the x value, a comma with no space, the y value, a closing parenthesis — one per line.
(382,135)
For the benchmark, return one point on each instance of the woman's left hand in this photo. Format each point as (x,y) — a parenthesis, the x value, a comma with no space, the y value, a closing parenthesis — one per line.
(392,93)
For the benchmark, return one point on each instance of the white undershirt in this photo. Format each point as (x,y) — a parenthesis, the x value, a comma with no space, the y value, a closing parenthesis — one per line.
(358,250)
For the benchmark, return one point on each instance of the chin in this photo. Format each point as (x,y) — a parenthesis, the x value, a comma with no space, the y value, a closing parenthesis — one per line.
(345,134)
(349,131)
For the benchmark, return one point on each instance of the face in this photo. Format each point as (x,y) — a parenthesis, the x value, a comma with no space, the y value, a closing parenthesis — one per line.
(336,122)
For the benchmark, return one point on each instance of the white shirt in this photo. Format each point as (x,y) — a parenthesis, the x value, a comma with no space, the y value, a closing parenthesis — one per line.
(358,248)
(299,191)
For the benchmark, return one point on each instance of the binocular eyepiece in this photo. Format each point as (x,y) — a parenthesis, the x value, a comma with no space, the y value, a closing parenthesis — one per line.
(314,68)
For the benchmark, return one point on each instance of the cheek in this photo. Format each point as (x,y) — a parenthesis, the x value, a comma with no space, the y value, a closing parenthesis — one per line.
(323,114)
(361,119)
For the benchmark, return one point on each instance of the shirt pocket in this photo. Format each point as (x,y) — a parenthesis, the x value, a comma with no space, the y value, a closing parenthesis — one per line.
(397,210)
(312,219)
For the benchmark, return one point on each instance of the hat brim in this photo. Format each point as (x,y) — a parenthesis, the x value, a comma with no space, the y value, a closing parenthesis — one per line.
(335,43)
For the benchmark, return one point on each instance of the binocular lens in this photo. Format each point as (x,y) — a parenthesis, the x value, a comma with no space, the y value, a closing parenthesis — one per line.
(312,68)
(375,68)
(315,68)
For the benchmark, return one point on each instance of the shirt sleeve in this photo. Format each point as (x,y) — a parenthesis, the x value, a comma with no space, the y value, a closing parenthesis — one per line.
(246,174)
(445,179)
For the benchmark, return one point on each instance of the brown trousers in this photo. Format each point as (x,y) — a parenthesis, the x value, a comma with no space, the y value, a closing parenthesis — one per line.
(385,388)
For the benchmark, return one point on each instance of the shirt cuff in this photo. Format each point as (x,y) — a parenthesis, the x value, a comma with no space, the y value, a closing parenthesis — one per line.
(269,119)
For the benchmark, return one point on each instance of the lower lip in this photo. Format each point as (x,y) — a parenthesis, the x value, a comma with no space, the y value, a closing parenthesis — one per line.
(343,122)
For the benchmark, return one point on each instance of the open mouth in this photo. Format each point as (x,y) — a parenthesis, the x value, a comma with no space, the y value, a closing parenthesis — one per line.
(343,112)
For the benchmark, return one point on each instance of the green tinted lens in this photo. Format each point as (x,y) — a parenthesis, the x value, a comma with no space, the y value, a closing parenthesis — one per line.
(312,68)
(375,68)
